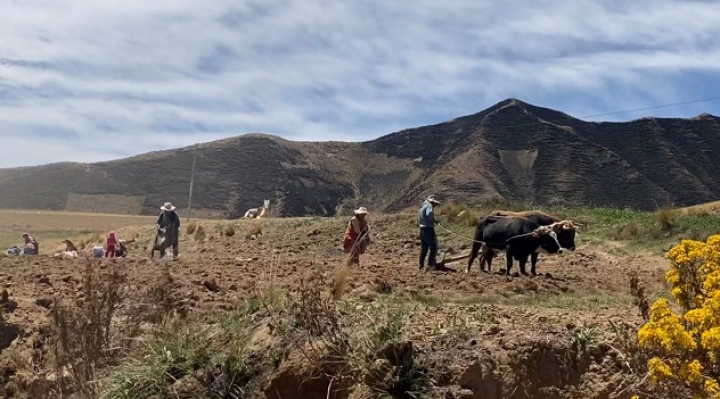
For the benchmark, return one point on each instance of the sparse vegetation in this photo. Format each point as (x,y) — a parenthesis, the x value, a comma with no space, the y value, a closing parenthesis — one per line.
(199,234)
(229,230)
(232,320)
(190,228)
(86,339)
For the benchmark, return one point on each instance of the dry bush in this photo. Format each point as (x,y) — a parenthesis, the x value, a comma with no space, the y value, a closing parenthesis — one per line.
(631,230)
(254,230)
(457,213)
(200,234)
(666,217)
(229,230)
(638,293)
(164,298)
(190,229)
(350,347)
(85,338)
(339,282)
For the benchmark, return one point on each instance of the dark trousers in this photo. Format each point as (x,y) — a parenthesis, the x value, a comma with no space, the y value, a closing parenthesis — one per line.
(174,246)
(428,241)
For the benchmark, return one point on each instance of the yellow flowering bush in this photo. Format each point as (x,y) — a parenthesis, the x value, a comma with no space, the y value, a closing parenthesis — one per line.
(684,347)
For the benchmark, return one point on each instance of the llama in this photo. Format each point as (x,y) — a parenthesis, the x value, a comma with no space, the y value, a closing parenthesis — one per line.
(70,250)
(258,213)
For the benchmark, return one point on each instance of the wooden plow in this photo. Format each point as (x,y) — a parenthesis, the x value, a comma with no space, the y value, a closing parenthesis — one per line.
(450,259)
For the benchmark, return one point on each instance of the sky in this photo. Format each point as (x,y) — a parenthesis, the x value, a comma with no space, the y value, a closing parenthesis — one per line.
(88,81)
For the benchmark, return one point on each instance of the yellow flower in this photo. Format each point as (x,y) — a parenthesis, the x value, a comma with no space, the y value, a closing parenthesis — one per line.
(686,343)
(658,370)
(691,372)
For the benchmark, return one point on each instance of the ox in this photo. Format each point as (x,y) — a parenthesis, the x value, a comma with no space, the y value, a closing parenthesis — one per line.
(538,217)
(520,238)
(565,229)
(164,239)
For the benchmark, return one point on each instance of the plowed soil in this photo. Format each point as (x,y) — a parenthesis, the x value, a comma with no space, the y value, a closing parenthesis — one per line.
(220,271)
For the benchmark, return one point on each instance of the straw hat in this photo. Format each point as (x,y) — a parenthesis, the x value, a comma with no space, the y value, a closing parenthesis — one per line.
(167,207)
(433,200)
(361,211)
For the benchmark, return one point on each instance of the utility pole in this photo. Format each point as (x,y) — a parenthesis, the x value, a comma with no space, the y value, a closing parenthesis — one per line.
(192,180)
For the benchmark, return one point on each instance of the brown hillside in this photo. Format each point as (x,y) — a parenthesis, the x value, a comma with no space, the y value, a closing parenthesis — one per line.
(512,151)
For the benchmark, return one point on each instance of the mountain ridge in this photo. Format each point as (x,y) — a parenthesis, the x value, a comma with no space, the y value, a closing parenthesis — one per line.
(512,151)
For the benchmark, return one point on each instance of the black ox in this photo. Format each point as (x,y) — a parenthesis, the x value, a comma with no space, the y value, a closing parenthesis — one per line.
(520,238)
(565,229)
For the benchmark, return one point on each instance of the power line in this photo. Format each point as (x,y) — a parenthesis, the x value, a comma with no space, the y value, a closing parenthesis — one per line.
(653,107)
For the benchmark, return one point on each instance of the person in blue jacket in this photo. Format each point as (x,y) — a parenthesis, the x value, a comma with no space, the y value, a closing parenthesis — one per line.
(428,239)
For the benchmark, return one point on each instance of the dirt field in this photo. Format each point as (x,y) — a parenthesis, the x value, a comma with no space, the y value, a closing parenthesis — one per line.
(479,335)
(50,227)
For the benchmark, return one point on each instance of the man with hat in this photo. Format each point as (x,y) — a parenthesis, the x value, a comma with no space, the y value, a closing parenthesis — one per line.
(428,239)
(167,217)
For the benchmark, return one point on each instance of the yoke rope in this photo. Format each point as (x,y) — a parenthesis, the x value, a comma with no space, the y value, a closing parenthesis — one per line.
(460,235)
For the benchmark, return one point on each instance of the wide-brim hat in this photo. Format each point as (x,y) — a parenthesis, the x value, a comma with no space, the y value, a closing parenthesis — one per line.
(433,200)
(361,211)
(167,207)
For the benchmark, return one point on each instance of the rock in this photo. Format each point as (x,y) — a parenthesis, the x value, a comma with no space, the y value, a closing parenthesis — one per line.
(465,394)
(7,304)
(8,334)
(211,285)
(44,302)
(494,330)
(44,280)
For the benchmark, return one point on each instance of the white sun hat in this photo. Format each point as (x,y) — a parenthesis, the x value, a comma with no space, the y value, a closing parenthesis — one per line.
(167,207)
(361,211)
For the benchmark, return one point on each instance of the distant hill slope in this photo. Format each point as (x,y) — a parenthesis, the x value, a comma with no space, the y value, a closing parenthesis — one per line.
(512,151)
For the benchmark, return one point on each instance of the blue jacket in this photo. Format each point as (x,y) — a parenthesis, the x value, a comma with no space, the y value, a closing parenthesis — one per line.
(426,216)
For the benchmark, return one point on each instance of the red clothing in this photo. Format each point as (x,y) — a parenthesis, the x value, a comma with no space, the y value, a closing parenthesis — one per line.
(110,252)
(110,244)
(356,238)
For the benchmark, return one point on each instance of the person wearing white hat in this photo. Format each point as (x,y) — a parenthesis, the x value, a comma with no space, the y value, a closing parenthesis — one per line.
(357,235)
(428,238)
(169,216)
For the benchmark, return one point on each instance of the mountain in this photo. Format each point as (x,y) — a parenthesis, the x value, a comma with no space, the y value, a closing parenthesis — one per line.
(512,151)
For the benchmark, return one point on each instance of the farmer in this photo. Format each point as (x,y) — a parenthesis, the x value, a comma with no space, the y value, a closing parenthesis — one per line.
(169,216)
(122,251)
(110,245)
(357,235)
(31,245)
(428,239)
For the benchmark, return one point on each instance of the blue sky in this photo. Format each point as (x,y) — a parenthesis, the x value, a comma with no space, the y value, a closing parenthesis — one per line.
(85,80)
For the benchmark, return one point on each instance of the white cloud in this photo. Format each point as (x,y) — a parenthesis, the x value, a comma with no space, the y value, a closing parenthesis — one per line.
(165,74)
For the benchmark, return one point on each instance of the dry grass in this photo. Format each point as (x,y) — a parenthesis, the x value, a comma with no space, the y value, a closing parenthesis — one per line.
(199,235)
(700,209)
(190,228)
(86,339)
(229,230)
